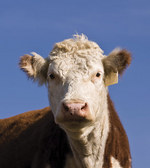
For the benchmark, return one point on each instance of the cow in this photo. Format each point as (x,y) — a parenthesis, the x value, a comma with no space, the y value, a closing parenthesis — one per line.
(82,128)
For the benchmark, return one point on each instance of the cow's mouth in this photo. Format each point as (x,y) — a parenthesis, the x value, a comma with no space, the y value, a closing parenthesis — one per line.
(74,121)
(75,125)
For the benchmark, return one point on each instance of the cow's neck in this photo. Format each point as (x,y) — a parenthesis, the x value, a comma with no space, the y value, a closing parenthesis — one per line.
(88,145)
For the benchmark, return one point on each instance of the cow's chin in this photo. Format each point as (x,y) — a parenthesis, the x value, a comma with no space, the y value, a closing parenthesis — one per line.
(75,126)
(73,123)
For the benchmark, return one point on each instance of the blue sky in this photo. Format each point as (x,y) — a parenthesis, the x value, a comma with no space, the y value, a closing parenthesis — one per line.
(35,25)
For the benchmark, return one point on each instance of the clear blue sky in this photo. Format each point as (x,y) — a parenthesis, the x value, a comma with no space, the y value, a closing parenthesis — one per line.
(35,25)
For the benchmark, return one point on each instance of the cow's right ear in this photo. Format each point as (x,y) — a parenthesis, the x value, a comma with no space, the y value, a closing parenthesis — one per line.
(115,63)
(35,67)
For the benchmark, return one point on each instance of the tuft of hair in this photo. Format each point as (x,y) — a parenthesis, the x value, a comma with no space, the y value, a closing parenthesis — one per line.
(35,67)
(76,44)
(117,61)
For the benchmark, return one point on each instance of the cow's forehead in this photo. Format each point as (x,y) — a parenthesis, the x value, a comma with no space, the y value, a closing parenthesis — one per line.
(76,54)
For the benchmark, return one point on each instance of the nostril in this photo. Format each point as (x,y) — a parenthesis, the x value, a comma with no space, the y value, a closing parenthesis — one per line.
(75,110)
(84,106)
(65,107)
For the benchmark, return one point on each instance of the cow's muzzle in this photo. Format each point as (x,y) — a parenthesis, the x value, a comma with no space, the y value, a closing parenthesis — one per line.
(75,111)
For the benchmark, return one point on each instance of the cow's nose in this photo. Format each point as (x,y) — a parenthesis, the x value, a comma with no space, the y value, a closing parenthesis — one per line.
(75,109)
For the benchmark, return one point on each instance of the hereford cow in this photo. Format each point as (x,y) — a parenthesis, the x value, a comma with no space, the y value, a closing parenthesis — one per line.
(83,129)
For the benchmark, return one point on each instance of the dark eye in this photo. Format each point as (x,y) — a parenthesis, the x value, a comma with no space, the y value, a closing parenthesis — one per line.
(52,76)
(98,74)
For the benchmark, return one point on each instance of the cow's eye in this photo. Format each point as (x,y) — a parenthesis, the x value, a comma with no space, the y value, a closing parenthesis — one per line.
(52,76)
(98,74)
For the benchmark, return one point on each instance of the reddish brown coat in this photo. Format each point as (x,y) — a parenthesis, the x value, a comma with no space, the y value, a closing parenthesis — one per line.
(35,136)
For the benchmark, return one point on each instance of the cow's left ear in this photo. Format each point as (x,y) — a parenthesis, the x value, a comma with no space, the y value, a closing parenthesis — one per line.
(115,63)
(35,67)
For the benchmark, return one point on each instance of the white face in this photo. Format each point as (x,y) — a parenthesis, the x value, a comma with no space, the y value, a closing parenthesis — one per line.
(76,80)
(77,92)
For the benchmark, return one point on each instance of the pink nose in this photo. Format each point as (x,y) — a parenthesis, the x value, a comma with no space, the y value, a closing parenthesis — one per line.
(75,110)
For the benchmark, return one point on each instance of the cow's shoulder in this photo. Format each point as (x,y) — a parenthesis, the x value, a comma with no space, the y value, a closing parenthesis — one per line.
(13,126)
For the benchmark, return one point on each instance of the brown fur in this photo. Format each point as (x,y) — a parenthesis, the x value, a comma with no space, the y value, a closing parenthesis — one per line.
(35,67)
(116,61)
(33,140)
(117,142)
(34,137)
(26,60)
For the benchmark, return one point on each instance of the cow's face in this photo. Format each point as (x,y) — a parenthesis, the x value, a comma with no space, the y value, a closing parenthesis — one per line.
(76,88)
(77,74)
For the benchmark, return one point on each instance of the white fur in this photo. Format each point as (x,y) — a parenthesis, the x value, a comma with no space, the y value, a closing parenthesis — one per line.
(75,71)
(38,62)
(74,64)
(88,147)
(115,163)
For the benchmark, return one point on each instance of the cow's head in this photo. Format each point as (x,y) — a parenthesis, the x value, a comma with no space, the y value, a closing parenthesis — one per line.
(77,74)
